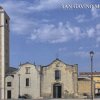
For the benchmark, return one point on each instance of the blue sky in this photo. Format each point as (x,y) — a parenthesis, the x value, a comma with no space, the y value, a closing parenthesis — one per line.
(41,30)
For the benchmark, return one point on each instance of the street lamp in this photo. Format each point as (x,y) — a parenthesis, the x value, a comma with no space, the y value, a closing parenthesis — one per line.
(91,56)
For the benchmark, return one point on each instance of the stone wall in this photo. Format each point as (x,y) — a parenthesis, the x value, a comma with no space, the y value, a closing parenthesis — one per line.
(84,87)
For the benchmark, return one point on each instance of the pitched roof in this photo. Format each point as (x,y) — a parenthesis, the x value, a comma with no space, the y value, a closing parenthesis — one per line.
(84,79)
(11,70)
(57,59)
(25,63)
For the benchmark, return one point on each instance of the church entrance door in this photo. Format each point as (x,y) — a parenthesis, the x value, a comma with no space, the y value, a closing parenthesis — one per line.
(57,89)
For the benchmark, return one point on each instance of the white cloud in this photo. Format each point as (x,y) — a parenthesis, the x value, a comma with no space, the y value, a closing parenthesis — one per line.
(80,48)
(98,26)
(95,12)
(19,22)
(45,5)
(85,54)
(49,4)
(14,7)
(26,6)
(98,39)
(91,32)
(63,49)
(81,54)
(94,32)
(80,18)
(97,54)
(97,32)
(22,25)
(56,33)
(97,45)
(42,30)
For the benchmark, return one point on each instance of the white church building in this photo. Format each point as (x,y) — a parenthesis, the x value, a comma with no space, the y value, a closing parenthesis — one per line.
(25,81)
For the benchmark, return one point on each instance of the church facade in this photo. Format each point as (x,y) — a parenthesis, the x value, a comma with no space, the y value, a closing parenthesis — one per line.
(56,80)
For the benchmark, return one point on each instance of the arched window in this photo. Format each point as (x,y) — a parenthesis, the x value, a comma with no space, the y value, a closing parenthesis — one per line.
(57,74)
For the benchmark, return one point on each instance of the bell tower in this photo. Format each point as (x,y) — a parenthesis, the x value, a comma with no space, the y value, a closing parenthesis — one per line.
(4,50)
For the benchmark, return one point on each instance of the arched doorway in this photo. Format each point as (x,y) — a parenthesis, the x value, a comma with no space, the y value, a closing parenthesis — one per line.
(57,90)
